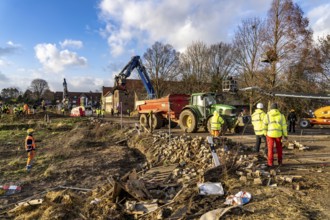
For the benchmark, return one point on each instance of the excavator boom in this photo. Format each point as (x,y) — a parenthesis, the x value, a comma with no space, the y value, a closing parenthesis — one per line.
(135,63)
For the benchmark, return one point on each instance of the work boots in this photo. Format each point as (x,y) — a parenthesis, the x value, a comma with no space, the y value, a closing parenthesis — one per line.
(28,168)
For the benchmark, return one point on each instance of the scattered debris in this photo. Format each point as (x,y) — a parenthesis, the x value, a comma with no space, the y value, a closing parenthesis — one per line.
(240,198)
(8,189)
(210,189)
(296,145)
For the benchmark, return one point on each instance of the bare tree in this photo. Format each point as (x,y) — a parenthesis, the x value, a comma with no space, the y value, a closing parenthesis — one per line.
(248,42)
(324,50)
(162,63)
(194,68)
(287,36)
(220,64)
(38,87)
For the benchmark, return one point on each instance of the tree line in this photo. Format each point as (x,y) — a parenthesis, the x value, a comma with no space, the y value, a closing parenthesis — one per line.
(275,54)
(37,91)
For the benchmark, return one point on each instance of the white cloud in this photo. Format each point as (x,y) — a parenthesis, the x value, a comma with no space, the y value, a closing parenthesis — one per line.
(84,83)
(12,44)
(55,60)
(10,48)
(320,20)
(176,22)
(75,44)
(3,63)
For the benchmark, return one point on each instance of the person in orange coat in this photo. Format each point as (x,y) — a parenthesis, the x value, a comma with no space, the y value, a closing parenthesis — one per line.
(26,109)
(30,147)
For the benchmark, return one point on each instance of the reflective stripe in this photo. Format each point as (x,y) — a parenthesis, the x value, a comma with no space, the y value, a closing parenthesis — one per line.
(257,121)
(274,126)
(216,122)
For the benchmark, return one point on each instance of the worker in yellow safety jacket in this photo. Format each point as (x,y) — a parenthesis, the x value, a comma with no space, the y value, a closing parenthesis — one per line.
(275,128)
(258,126)
(30,148)
(216,124)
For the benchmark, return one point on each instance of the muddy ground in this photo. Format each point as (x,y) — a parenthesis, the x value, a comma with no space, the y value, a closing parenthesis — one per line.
(78,159)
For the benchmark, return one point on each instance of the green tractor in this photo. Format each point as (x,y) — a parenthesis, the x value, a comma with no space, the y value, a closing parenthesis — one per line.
(200,111)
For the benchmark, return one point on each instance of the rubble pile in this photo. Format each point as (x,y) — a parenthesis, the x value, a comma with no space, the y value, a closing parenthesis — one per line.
(167,185)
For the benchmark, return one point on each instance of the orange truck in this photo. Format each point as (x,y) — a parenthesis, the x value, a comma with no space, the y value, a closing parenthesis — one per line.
(164,110)
(321,116)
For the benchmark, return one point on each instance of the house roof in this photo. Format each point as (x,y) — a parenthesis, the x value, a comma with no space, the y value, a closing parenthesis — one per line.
(106,90)
(72,95)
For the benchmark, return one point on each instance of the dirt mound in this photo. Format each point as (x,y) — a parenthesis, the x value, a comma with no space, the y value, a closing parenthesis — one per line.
(106,177)
(55,205)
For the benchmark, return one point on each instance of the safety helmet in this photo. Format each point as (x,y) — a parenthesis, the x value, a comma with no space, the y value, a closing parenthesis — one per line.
(260,105)
(292,110)
(30,131)
(215,112)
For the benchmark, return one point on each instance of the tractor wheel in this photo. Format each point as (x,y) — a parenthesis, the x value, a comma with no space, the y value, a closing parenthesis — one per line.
(207,127)
(144,120)
(188,121)
(157,121)
(304,123)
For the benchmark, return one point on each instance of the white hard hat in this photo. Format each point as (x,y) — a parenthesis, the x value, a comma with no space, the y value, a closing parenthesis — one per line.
(260,105)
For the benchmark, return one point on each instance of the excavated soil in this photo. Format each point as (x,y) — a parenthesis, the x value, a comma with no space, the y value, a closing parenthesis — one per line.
(81,161)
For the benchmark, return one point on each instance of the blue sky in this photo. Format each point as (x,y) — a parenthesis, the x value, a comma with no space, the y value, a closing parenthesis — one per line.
(89,41)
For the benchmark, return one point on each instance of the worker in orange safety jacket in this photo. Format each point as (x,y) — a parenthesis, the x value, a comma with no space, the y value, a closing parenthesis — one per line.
(30,147)
(216,124)
(275,128)
(26,109)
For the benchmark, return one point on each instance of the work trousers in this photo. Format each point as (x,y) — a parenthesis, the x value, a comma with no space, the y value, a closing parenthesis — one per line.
(215,133)
(31,155)
(259,139)
(278,143)
(292,126)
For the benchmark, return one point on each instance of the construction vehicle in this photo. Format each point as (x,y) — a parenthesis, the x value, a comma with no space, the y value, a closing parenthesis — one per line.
(200,111)
(164,110)
(135,63)
(189,111)
(320,116)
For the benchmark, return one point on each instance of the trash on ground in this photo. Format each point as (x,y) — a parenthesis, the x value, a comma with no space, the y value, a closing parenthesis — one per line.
(210,189)
(241,198)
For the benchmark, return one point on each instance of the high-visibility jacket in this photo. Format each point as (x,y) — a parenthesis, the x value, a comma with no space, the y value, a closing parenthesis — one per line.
(275,124)
(30,143)
(216,122)
(258,121)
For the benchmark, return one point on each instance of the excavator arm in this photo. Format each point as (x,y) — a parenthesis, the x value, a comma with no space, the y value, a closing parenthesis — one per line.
(135,63)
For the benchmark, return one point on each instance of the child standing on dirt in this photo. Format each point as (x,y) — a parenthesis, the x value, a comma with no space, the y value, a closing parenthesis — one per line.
(30,147)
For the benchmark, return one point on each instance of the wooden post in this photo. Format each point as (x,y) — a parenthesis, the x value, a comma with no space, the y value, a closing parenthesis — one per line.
(151,122)
(121,115)
(169,122)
